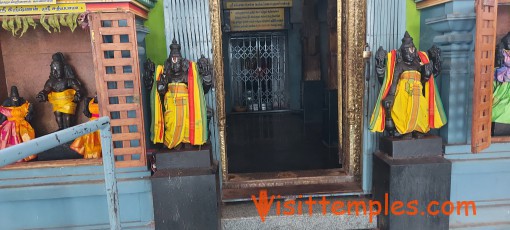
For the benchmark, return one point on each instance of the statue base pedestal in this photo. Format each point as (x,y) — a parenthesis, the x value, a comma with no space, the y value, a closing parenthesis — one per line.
(412,182)
(500,129)
(186,182)
(417,147)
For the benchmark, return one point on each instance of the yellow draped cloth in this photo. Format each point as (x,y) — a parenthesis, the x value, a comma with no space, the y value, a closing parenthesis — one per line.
(63,101)
(16,129)
(411,111)
(89,145)
(176,115)
(157,124)
(185,119)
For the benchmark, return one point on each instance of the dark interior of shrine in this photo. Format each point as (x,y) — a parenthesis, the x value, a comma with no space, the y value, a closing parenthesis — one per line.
(281,94)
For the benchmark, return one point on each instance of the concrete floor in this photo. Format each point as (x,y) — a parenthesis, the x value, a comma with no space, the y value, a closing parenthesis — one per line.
(244,215)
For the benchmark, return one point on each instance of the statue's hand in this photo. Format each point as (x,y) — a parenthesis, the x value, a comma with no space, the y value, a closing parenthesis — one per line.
(426,71)
(380,63)
(30,113)
(42,96)
(161,87)
(28,117)
(77,97)
(387,102)
(87,113)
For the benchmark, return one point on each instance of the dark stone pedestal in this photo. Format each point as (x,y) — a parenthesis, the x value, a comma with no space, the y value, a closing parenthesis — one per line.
(410,180)
(185,190)
(500,129)
(183,159)
(422,147)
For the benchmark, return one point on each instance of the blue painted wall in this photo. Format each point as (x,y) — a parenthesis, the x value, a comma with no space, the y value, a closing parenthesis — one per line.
(482,177)
(72,197)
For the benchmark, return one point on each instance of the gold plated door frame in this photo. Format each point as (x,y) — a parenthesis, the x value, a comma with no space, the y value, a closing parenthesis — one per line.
(351,25)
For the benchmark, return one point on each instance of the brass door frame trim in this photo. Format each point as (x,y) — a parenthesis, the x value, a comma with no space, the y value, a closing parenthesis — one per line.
(351,25)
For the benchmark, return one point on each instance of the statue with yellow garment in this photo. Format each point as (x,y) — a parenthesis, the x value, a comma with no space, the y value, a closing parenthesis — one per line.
(62,90)
(408,104)
(181,115)
(89,145)
(15,115)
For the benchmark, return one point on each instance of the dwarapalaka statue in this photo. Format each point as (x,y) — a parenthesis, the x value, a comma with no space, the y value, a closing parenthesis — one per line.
(501,94)
(89,145)
(408,104)
(15,115)
(62,90)
(182,118)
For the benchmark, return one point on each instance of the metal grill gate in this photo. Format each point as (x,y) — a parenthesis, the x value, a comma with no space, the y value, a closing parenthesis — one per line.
(258,71)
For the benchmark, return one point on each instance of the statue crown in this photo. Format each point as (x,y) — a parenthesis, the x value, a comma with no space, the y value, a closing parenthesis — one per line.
(175,48)
(14,92)
(407,40)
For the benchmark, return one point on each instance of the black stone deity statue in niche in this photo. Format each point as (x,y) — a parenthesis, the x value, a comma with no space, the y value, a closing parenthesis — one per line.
(408,104)
(62,90)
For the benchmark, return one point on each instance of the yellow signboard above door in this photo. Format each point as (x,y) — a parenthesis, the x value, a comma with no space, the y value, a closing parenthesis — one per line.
(26,2)
(239,4)
(43,9)
(257,19)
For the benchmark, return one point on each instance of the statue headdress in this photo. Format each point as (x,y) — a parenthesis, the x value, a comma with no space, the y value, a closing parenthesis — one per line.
(407,41)
(175,49)
(14,92)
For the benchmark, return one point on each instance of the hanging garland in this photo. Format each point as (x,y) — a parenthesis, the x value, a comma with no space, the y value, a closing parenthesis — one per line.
(16,23)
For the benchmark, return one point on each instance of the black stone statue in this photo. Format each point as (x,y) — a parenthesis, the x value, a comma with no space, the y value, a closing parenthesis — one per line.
(503,45)
(500,115)
(176,70)
(403,96)
(204,69)
(148,75)
(14,100)
(180,98)
(62,90)
(15,116)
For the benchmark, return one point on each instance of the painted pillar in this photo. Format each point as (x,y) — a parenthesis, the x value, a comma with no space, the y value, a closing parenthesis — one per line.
(483,177)
(451,27)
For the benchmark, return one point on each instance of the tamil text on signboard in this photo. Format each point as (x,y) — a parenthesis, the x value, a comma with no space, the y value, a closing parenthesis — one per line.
(257,19)
(26,2)
(43,9)
(236,4)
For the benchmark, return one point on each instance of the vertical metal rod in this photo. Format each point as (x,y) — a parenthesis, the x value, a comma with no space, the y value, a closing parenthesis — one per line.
(112,195)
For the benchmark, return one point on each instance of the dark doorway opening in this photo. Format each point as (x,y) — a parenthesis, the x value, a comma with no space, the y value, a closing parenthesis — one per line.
(281,94)
(272,142)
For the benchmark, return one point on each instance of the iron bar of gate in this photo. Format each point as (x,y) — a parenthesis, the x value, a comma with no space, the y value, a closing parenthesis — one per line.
(17,152)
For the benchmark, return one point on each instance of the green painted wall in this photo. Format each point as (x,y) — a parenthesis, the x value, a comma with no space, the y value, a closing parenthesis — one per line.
(155,40)
(413,22)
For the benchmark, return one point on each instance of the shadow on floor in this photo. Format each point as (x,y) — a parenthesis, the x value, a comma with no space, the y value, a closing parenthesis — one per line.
(272,142)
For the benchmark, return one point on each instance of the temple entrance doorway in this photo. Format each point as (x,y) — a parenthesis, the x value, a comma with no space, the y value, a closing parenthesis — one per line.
(280,113)
(286,120)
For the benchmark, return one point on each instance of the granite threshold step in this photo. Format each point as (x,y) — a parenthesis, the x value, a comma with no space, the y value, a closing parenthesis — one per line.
(244,215)
(287,178)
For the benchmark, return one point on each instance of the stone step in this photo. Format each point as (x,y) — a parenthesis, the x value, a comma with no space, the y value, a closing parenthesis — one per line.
(282,179)
(244,215)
